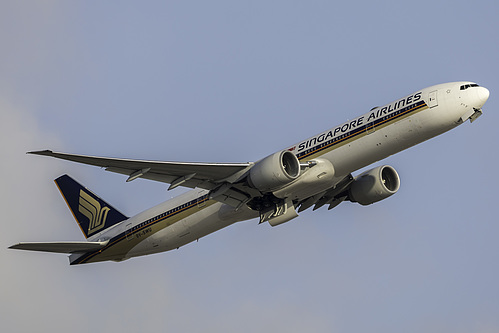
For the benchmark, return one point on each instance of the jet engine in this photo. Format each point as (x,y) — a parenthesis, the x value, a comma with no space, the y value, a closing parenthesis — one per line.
(374,185)
(274,171)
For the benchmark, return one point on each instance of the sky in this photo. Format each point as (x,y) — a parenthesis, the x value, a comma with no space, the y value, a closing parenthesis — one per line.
(234,81)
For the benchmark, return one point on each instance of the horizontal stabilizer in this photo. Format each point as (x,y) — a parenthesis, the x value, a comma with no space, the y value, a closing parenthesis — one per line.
(60,247)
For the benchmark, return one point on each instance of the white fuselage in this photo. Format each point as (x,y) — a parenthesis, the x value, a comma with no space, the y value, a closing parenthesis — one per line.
(349,147)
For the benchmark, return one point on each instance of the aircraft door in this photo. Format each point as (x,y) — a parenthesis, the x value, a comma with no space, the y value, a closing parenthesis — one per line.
(432,99)
(370,127)
(370,124)
(201,202)
(128,231)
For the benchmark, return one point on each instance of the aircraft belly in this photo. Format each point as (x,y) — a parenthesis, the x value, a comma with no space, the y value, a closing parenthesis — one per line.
(183,231)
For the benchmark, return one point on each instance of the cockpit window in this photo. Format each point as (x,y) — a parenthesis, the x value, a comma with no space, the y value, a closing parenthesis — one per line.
(466,86)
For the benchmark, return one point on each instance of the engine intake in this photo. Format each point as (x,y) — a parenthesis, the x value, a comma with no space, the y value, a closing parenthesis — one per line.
(274,171)
(375,185)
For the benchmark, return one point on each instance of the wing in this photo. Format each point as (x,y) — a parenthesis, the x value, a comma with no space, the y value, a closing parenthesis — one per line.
(219,178)
(204,175)
(334,196)
(60,247)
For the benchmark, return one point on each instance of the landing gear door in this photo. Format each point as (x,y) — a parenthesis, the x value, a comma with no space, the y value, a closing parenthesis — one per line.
(432,99)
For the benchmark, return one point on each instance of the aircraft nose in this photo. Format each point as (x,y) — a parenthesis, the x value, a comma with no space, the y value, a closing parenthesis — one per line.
(483,95)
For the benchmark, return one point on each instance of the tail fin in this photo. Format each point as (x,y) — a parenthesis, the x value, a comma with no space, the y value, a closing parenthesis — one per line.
(91,212)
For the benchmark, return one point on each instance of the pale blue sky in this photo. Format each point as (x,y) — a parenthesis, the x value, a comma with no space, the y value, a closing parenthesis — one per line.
(233,81)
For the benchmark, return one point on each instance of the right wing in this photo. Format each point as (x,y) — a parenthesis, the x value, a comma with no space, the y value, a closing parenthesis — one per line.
(219,178)
(204,175)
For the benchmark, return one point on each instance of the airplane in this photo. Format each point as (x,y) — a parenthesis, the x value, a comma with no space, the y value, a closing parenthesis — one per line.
(313,172)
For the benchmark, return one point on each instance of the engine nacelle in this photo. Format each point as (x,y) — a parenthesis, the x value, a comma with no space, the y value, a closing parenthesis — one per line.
(317,178)
(375,185)
(274,171)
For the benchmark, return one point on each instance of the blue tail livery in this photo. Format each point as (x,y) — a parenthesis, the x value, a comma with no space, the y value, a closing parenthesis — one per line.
(91,212)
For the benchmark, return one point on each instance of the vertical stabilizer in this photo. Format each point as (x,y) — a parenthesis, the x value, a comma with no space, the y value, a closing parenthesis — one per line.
(92,214)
